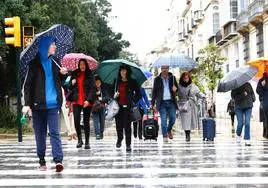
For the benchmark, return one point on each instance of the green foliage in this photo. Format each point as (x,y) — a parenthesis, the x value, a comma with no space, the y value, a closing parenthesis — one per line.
(7,117)
(88,18)
(129,56)
(210,65)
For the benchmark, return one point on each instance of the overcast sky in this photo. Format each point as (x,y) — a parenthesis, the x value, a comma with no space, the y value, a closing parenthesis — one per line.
(143,22)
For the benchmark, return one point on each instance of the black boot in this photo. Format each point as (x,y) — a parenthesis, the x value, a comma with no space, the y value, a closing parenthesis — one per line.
(80,143)
(135,130)
(87,144)
(187,135)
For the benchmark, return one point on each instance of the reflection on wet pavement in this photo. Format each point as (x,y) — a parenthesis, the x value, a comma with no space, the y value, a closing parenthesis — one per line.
(223,163)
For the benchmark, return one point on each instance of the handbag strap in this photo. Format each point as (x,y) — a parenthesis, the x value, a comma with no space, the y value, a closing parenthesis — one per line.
(189,92)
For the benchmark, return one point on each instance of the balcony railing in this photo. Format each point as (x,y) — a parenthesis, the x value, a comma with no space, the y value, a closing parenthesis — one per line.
(219,39)
(212,40)
(181,37)
(229,30)
(256,8)
(194,23)
(198,15)
(242,21)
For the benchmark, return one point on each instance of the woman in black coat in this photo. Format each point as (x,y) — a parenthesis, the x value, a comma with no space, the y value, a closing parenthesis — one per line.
(127,94)
(83,87)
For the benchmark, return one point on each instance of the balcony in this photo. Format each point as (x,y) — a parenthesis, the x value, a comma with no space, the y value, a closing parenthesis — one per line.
(242,22)
(229,30)
(185,33)
(194,24)
(219,40)
(212,40)
(198,16)
(181,37)
(256,9)
(189,28)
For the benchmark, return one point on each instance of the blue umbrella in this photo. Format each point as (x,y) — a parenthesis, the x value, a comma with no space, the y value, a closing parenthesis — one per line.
(64,41)
(146,73)
(175,61)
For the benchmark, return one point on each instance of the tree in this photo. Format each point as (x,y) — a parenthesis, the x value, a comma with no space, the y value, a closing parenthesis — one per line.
(210,66)
(124,54)
(88,19)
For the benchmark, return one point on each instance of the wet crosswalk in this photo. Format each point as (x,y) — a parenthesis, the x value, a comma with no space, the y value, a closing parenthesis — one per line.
(150,164)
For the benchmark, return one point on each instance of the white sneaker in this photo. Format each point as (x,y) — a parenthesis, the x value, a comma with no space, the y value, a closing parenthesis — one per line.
(165,139)
(247,143)
(238,139)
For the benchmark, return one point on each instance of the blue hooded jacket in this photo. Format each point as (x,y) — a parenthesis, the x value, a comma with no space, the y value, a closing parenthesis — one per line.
(143,102)
(51,92)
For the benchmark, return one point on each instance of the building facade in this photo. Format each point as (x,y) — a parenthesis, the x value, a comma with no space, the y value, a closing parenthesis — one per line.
(238,27)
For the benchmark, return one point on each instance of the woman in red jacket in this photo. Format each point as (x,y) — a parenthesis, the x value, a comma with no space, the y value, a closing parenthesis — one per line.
(83,86)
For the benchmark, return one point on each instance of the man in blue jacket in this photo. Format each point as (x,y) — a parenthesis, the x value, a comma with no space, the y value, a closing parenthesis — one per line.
(43,95)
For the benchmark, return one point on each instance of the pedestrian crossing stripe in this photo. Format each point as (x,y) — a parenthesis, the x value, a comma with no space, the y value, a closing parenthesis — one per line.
(149,164)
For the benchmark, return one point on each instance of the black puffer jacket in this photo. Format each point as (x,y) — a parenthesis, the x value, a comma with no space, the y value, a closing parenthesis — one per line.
(34,87)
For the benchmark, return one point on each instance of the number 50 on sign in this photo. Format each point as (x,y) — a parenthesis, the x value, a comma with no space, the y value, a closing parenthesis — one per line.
(28,34)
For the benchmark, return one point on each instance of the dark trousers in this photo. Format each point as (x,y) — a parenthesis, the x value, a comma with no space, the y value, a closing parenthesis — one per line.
(77,117)
(232,118)
(265,123)
(41,120)
(138,130)
(123,122)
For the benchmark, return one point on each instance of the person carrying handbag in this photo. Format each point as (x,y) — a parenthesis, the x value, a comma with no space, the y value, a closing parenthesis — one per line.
(127,92)
(83,94)
(188,92)
(98,109)
(164,98)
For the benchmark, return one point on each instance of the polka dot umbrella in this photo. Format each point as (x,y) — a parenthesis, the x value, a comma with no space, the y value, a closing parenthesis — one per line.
(70,61)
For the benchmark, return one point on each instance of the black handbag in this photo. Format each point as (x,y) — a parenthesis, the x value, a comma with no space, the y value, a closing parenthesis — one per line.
(135,114)
(70,96)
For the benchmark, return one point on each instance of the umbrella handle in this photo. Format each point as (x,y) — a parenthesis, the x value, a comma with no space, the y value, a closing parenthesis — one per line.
(56,63)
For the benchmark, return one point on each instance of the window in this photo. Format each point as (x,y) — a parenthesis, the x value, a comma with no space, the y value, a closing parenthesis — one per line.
(216,22)
(227,68)
(233,8)
(246,46)
(259,37)
(215,8)
(237,63)
(236,48)
(192,51)
(244,4)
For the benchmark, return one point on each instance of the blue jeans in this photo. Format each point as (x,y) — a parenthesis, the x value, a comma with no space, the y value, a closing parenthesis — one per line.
(99,121)
(41,120)
(243,118)
(167,108)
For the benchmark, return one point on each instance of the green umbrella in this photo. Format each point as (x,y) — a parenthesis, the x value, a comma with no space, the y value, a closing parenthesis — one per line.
(108,71)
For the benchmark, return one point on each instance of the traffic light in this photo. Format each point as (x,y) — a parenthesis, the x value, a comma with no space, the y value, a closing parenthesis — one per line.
(28,34)
(13,31)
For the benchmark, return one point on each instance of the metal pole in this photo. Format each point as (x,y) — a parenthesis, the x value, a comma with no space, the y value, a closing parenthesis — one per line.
(18,88)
